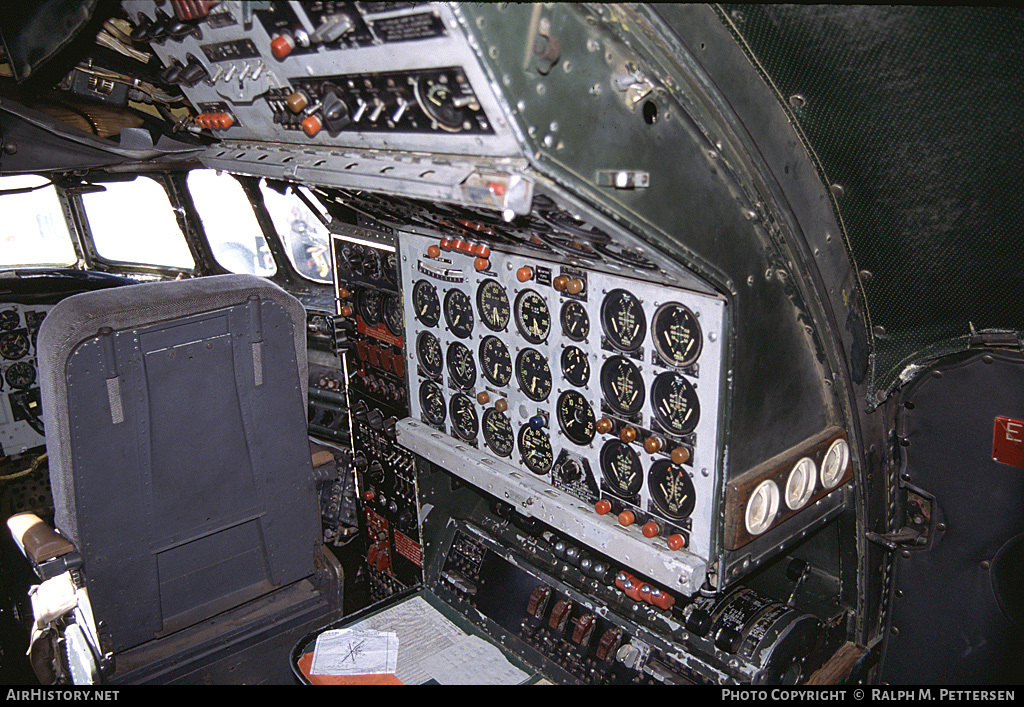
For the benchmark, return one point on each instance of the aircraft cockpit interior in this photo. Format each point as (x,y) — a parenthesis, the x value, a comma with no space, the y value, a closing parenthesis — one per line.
(510,343)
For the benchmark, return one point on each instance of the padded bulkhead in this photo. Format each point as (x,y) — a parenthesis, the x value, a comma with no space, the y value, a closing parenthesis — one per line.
(176,430)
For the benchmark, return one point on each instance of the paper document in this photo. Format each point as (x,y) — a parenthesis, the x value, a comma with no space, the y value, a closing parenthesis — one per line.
(349,651)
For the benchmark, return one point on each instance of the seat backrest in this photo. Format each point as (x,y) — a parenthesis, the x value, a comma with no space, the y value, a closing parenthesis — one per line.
(175,417)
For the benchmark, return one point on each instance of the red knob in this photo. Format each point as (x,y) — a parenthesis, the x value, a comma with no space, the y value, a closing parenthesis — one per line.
(433,251)
(524,273)
(282,45)
(311,125)
(650,529)
(627,518)
(481,264)
(676,542)
(602,507)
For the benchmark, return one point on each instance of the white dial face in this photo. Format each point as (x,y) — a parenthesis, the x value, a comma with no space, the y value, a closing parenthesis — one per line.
(762,507)
(834,465)
(800,484)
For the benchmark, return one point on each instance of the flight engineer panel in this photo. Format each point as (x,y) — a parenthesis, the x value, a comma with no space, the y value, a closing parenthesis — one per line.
(603,389)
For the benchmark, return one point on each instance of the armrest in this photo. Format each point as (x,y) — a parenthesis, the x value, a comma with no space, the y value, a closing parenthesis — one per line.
(42,545)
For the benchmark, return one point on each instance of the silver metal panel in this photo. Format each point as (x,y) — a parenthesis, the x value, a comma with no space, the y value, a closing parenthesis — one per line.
(705,467)
(253,116)
(679,571)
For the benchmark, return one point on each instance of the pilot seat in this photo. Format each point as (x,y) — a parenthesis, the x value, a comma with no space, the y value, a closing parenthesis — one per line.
(188,544)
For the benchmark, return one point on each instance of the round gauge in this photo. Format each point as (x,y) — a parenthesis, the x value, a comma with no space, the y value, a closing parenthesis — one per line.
(493,304)
(633,257)
(432,403)
(461,367)
(575,366)
(535,448)
(833,466)
(14,344)
(390,266)
(621,467)
(428,353)
(368,303)
(498,432)
(622,317)
(438,100)
(575,417)
(575,321)
(458,313)
(464,419)
(343,258)
(762,507)
(9,319)
(622,384)
(371,265)
(676,334)
(393,317)
(671,489)
(21,374)
(800,483)
(425,303)
(675,402)
(533,316)
(533,374)
(495,361)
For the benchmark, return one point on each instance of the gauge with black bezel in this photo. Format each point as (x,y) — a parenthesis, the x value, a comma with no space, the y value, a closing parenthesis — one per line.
(14,344)
(495,361)
(533,316)
(492,301)
(533,374)
(675,402)
(461,367)
(622,385)
(621,467)
(425,303)
(576,417)
(498,432)
(368,304)
(623,319)
(458,313)
(21,374)
(676,334)
(575,321)
(535,448)
(671,489)
(575,366)
(432,403)
(393,317)
(9,319)
(428,353)
(464,418)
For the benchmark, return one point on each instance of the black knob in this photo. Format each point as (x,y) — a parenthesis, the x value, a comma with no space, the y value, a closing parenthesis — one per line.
(193,73)
(376,419)
(335,112)
(698,622)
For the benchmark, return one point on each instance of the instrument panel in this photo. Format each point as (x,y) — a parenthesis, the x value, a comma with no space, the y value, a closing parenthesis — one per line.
(605,387)
(20,412)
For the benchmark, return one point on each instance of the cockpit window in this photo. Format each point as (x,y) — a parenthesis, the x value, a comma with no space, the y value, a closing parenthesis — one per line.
(33,230)
(133,222)
(230,224)
(305,236)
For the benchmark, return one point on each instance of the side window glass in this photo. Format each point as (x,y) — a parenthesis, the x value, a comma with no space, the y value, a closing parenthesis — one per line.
(306,239)
(230,224)
(33,230)
(133,222)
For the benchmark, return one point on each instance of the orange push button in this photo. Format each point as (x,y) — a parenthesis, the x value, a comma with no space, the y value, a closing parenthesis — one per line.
(281,46)
(311,125)
(627,518)
(524,273)
(602,507)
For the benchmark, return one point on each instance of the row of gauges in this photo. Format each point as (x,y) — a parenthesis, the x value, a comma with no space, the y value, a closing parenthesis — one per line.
(375,307)
(372,263)
(676,333)
(669,485)
(673,398)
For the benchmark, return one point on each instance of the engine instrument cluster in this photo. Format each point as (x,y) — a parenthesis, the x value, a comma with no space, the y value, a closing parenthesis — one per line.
(605,387)
(20,412)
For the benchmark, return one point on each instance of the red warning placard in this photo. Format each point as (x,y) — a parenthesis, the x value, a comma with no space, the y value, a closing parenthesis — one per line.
(1008,442)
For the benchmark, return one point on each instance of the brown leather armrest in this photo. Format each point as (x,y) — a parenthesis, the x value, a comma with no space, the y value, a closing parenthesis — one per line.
(36,539)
